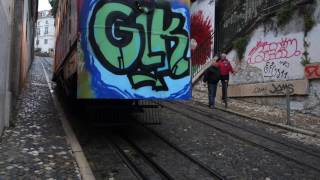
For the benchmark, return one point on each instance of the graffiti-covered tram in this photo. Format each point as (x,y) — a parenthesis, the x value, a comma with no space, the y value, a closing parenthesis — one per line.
(123,51)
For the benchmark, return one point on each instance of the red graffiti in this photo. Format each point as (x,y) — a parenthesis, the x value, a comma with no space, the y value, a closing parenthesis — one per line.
(312,71)
(201,30)
(267,51)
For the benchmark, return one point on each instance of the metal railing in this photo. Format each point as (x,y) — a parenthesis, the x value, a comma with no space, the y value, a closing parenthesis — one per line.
(200,53)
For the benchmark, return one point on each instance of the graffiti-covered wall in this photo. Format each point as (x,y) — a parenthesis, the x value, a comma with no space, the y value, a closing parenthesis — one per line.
(202,30)
(282,59)
(134,49)
(271,57)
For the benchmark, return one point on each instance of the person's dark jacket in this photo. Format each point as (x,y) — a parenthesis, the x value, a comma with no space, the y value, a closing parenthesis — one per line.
(212,75)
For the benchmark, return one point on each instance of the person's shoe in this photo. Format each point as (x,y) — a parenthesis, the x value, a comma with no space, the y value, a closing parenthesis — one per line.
(211,106)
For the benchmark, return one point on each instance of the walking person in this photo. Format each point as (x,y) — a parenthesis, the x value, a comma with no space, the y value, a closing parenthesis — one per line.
(225,69)
(212,77)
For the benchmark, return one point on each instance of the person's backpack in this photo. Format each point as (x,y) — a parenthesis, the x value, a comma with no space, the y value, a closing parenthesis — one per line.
(212,75)
(206,75)
(215,74)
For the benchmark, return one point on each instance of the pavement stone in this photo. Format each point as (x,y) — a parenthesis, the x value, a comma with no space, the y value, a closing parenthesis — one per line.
(267,113)
(35,147)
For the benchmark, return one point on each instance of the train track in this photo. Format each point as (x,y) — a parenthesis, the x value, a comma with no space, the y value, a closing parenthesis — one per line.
(164,174)
(138,167)
(140,163)
(211,171)
(144,167)
(288,150)
(256,132)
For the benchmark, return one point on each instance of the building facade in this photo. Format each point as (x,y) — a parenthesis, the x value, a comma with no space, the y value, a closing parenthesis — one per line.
(45,33)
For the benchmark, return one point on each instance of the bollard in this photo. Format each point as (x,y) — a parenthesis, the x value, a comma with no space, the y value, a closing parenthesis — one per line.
(288,106)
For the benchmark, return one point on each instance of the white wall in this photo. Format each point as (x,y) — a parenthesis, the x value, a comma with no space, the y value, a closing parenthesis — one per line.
(272,57)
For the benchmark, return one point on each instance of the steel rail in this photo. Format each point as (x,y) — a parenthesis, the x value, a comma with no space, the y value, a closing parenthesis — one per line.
(242,139)
(257,133)
(212,172)
(163,173)
(134,169)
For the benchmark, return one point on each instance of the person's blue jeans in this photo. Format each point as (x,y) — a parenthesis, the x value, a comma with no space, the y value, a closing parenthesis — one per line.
(212,90)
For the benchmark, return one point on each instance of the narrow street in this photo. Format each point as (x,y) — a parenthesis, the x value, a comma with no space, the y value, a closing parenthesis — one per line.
(192,142)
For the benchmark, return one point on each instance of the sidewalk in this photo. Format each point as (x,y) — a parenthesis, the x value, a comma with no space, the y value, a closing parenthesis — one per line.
(35,147)
(270,114)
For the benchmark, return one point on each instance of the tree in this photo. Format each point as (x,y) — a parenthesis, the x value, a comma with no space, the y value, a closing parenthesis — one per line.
(54,5)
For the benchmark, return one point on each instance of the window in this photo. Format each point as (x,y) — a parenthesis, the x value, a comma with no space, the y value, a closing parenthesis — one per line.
(37,42)
(47,22)
(38,31)
(39,23)
(46,30)
(45,41)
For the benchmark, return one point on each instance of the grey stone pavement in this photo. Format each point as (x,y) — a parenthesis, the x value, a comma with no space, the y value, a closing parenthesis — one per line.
(267,113)
(35,147)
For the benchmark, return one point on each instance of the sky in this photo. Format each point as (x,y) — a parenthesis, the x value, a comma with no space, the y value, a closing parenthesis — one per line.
(44,5)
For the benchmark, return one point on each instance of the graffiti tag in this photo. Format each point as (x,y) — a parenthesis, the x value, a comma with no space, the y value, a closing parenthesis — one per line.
(282,88)
(312,71)
(260,90)
(271,70)
(267,51)
(285,64)
(146,43)
(201,32)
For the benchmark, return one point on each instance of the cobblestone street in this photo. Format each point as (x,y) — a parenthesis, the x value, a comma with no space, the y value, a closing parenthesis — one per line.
(192,142)
(35,147)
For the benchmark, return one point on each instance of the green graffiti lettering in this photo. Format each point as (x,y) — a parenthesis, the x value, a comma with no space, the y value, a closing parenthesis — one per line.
(149,58)
(118,57)
(144,46)
(179,64)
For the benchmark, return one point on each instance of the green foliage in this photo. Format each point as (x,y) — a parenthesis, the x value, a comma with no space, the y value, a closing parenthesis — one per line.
(308,22)
(307,12)
(305,61)
(285,15)
(240,45)
(54,5)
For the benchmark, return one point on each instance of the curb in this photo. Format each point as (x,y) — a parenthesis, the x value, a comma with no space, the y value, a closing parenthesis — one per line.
(84,167)
(283,126)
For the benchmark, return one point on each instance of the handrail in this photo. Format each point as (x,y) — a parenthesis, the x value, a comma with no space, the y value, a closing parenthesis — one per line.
(198,70)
